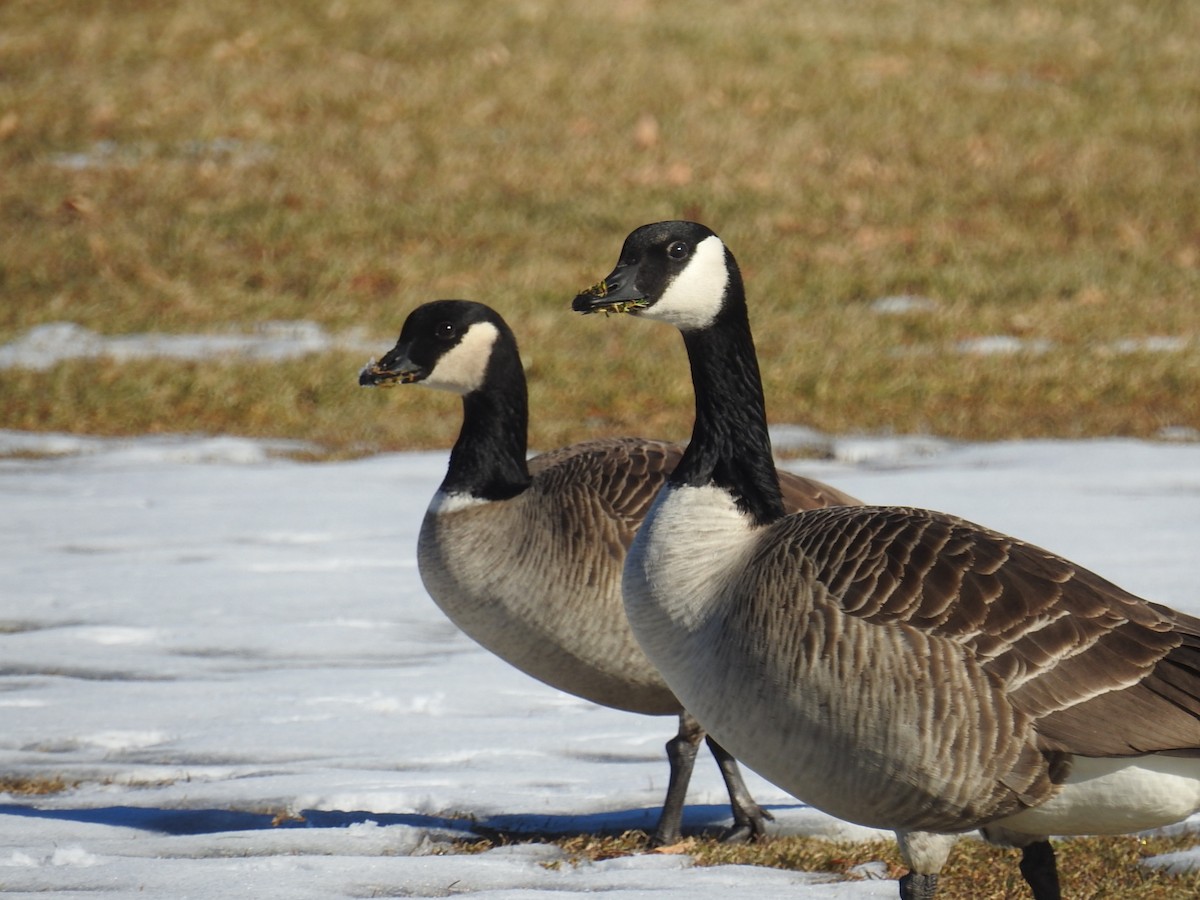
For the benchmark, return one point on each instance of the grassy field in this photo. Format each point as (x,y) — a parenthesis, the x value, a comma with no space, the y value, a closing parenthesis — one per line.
(1030,167)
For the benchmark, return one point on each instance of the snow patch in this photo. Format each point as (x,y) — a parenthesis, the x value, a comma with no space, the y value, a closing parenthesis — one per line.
(126,740)
(45,346)
(334,732)
(74,856)
(1002,345)
(902,304)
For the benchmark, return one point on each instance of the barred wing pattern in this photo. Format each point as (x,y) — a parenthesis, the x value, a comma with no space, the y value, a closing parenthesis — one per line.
(1099,671)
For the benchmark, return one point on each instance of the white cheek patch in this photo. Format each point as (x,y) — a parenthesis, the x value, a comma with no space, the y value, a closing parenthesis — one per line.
(461,370)
(694,298)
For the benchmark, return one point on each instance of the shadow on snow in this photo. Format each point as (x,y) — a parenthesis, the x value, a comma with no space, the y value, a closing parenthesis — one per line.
(697,819)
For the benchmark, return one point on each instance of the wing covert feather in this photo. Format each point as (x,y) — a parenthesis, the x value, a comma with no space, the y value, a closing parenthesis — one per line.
(1099,671)
(627,473)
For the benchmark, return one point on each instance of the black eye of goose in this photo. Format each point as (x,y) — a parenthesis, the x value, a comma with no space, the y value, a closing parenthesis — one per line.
(444,330)
(678,250)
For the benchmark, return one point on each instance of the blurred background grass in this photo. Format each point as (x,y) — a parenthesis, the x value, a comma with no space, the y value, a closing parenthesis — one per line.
(1032,168)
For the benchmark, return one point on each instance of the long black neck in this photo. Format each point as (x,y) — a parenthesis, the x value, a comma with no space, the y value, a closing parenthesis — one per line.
(488,459)
(730,446)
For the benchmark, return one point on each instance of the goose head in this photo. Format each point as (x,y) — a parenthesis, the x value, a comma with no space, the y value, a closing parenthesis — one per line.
(676,272)
(445,344)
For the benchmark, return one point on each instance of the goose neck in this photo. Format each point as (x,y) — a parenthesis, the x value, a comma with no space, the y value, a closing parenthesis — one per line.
(730,445)
(489,458)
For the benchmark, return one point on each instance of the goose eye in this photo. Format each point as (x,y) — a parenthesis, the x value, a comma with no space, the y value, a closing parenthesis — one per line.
(444,330)
(678,250)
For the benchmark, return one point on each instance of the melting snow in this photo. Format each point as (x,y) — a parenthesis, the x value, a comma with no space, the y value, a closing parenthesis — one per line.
(231,661)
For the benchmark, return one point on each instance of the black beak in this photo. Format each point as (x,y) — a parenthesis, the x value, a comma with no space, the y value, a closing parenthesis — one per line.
(394,368)
(618,293)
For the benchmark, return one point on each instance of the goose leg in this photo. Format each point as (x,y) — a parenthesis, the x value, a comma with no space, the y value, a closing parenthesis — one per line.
(749,819)
(924,853)
(1038,865)
(914,886)
(681,754)
(1040,870)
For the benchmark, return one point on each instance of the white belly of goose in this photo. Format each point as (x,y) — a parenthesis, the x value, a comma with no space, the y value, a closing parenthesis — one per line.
(1116,796)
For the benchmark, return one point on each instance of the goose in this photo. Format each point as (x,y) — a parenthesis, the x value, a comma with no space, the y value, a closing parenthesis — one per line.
(899,668)
(525,556)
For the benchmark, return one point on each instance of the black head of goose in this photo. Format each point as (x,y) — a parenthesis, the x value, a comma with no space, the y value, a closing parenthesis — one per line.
(899,668)
(525,556)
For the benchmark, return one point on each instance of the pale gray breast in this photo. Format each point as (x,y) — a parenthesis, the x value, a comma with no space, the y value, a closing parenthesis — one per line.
(536,579)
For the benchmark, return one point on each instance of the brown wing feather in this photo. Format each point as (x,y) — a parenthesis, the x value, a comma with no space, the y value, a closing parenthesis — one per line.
(800,493)
(624,473)
(628,473)
(1100,671)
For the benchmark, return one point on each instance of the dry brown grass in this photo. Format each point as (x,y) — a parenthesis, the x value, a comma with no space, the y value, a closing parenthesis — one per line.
(1089,868)
(34,785)
(1029,166)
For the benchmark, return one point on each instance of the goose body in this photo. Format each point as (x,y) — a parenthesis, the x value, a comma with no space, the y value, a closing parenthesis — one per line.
(895,667)
(525,587)
(526,556)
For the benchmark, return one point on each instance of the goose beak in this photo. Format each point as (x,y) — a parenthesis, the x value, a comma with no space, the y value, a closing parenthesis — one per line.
(394,368)
(618,293)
